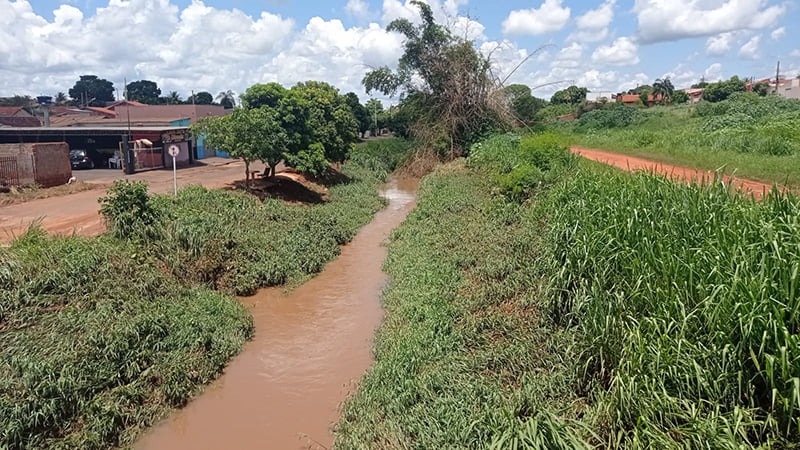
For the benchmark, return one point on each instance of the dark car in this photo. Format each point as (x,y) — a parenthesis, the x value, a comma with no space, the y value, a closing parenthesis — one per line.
(80,159)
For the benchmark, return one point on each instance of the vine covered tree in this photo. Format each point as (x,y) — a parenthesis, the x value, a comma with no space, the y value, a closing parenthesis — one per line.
(90,90)
(444,83)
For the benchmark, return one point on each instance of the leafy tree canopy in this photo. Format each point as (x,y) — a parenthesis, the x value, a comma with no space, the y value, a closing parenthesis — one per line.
(248,134)
(716,92)
(523,105)
(144,91)
(201,98)
(359,111)
(258,95)
(572,95)
(93,91)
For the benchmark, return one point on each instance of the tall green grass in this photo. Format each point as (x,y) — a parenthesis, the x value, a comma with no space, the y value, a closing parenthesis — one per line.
(685,299)
(604,310)
(97,342)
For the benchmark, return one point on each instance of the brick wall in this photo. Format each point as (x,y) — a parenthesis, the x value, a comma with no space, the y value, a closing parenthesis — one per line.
(46,164)
(23,155)
(52,164)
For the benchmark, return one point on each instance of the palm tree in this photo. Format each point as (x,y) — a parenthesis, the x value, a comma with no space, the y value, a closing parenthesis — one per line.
(664,88)
(61,99)
(174,98)
(227,99)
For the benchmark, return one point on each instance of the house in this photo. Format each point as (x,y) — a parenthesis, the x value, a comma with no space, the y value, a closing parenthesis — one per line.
(788,88)
(17,116)
(635,99)
(695,94)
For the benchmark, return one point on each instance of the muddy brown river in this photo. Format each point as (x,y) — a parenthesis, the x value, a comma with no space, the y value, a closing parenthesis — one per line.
(310,348)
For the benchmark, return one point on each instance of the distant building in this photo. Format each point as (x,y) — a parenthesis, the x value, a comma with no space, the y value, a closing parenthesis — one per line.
(635,99)
(17,116)
(695,94)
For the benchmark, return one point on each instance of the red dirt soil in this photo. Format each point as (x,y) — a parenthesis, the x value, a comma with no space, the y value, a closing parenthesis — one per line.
(756,188)
(79,213)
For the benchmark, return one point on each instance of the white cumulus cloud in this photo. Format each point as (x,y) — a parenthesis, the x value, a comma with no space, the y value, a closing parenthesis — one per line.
(660,20)
(593,25)
(778,33)
(549,17)
(623,51)
(750,49)
(719,44)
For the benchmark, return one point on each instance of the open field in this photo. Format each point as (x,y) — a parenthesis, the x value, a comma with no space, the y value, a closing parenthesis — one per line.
(542,302)
(746,136)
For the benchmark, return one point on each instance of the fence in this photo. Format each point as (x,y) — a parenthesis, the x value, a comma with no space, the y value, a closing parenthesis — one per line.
(8,171)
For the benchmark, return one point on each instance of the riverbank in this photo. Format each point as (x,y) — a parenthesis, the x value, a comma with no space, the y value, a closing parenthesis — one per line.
(102,337)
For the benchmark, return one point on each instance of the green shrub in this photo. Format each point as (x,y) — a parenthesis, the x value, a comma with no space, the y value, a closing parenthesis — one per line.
(614,115)
(129,210)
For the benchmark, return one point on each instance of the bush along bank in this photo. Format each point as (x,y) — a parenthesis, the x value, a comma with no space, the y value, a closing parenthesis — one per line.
(600,310)
(100,337)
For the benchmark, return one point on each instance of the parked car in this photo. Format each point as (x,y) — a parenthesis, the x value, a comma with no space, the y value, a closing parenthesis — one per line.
(80,159)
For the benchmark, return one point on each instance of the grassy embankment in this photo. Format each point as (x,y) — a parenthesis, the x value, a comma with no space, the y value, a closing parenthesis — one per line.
(746,135)
(536,304)
(100,337)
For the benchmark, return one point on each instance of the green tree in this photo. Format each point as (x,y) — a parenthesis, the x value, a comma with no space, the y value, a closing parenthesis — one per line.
(201,98)
(16,100)
(359,111)
(447,80)
(680,97)
(258,95)
(719,91)
(664,88)
(144,91)
(523,105)
(572,95)
(761,89)
(227,99)
(328,119)
(92,91)
(247,134)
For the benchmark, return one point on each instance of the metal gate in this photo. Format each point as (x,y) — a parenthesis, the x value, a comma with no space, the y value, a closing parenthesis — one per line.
(9,171)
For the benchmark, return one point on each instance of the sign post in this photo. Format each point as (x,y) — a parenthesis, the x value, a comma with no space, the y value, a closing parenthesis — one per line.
(174,150)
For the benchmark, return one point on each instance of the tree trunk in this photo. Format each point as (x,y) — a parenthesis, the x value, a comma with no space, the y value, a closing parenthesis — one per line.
(247,175)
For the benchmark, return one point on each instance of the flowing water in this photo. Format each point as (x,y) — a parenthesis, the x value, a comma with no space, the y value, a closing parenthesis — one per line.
(310,348)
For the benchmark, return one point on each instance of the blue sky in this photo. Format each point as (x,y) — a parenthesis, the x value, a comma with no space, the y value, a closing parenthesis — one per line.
(606,45)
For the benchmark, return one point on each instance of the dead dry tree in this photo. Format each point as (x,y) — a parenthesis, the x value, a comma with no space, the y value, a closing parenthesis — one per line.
(446,84)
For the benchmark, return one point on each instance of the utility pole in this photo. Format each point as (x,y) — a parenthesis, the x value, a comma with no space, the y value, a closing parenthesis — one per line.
(777,76)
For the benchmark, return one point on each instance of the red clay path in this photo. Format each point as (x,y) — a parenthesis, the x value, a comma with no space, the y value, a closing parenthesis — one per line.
(686,174)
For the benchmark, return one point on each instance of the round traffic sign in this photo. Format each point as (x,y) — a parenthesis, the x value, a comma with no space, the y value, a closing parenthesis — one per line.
(174,150)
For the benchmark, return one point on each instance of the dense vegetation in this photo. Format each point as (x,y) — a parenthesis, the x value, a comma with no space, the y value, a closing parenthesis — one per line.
(100,337)
(597,309)
(751,136)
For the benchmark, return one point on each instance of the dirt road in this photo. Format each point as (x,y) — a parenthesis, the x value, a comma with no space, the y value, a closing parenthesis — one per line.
(625,162)
(79,213)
